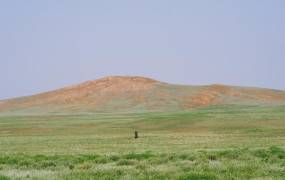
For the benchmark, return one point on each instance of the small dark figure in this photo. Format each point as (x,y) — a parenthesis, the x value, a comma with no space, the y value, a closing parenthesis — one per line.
(136,134)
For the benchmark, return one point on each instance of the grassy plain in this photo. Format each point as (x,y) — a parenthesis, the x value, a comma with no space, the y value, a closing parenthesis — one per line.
(217,142)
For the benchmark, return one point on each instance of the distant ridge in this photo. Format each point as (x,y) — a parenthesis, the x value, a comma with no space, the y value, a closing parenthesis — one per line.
(136,94)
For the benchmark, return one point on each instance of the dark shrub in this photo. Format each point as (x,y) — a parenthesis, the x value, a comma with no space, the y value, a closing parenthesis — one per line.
(261,153)
(48,164)
(71,166)
(114,157)
(124,162)
(138,156)
(279,152)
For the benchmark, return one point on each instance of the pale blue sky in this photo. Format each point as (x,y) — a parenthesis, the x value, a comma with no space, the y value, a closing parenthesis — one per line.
(45,45)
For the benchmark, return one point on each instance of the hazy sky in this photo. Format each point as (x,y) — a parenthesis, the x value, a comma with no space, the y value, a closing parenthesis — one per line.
(45,45)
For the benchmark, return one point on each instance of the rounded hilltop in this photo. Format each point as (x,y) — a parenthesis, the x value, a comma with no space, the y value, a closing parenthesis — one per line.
(113,79)
(117,80)
(109,86)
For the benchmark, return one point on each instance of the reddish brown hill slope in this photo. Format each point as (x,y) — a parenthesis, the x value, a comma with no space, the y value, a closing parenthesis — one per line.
(132,94)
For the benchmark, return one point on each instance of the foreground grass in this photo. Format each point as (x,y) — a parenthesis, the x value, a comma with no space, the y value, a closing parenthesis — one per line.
(219,164)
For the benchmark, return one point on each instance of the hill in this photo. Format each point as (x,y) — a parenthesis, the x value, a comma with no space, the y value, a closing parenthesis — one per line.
(137,94)
(185,132)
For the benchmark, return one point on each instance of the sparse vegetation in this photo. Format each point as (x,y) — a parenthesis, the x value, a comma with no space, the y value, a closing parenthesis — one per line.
(218,142)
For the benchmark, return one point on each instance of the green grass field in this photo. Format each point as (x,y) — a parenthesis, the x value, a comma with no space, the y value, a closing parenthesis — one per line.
(217,142)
